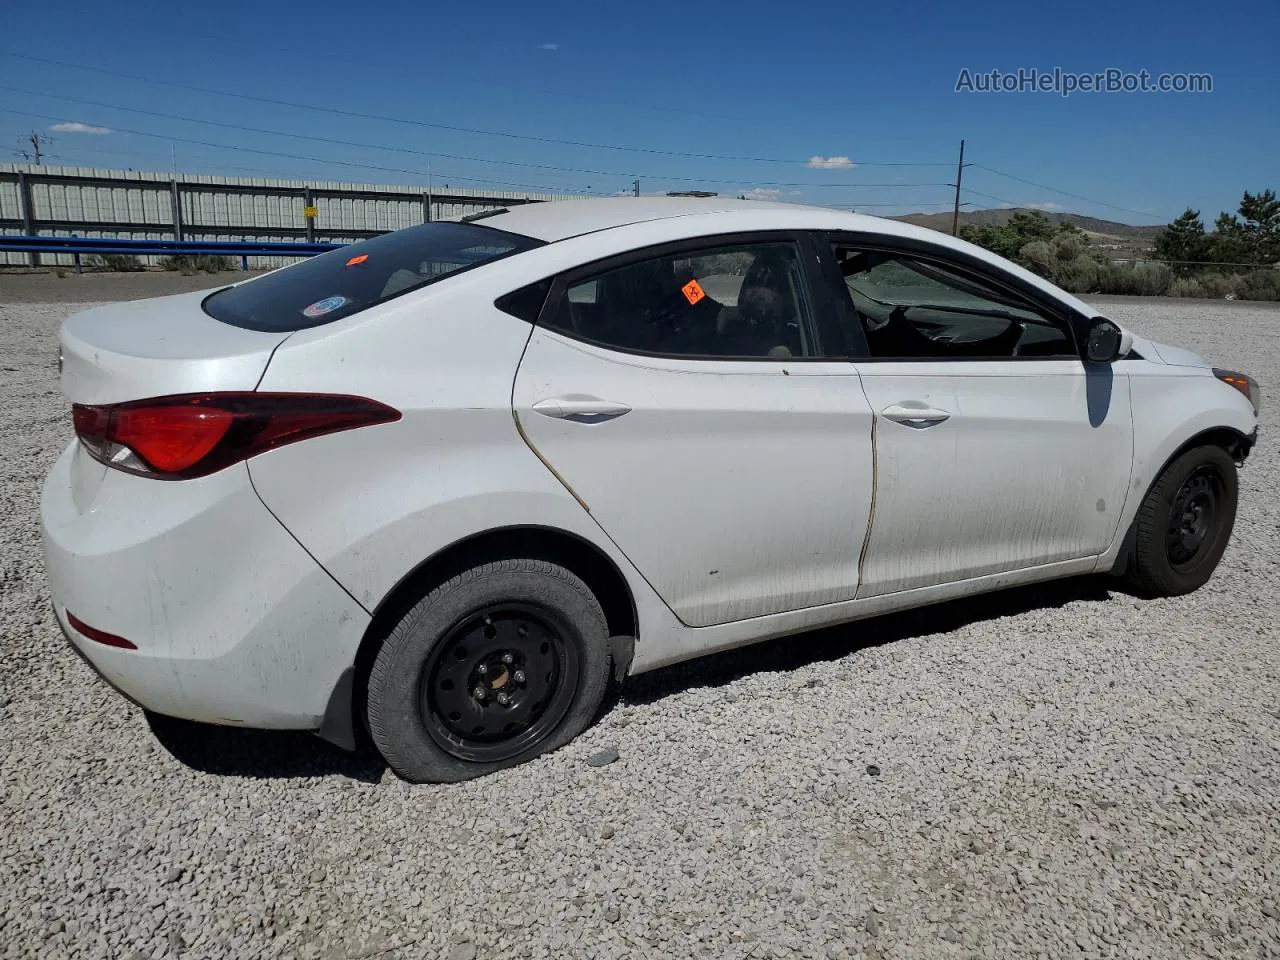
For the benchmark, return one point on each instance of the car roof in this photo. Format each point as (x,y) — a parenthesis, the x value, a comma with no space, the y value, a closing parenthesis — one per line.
(562,219)
(565,219)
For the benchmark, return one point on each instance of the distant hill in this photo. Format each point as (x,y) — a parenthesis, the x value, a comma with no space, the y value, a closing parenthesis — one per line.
(1123,237)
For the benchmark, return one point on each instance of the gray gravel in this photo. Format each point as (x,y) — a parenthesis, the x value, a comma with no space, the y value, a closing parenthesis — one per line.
(49,288)
(1062,771)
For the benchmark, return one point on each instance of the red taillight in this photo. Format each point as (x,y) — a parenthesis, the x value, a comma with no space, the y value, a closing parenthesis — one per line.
(191,435)
(98,636)
(171,439)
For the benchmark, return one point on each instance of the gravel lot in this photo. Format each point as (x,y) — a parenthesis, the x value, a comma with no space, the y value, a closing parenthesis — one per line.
(1058,771)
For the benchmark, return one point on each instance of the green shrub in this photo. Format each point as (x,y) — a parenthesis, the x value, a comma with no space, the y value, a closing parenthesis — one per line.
(1070,245)
(1218,285)
(197,263)
(114,262)
(1135,279)
(1038,256)
(1078,275)
(1261,285)
(1151,279)
(1188,287)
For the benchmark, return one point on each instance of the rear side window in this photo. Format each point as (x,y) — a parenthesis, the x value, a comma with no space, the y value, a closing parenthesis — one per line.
(741,301)
(345,281)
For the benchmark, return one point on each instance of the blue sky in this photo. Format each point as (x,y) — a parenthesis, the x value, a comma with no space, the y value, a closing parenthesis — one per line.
(866,84)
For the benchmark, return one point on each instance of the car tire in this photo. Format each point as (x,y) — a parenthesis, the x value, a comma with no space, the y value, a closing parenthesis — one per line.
(500,664)
(1184,523)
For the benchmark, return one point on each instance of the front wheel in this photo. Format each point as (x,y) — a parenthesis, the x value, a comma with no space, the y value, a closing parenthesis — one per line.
(502,663)
(1184,523)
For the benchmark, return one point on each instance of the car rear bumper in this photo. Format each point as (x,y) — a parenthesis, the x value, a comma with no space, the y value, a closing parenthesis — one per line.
(233,622)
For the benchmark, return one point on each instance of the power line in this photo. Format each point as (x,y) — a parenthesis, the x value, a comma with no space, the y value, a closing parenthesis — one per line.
(140,157)
(470,81)
(979,193)
(1074,196)
(295,156)
(185,33)
(446,156)
(1013,203)
(441,126)
(219,146)
(141,161)
(301,136)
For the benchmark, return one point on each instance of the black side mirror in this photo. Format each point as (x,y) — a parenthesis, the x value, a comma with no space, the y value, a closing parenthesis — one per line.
(1105,342)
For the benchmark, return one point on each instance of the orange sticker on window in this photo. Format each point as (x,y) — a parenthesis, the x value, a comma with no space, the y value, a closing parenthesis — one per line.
(360,259)
(693,291)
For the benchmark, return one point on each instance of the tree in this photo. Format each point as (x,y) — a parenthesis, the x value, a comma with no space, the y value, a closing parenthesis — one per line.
(999,239)
(1032,225)
(1227,243)
(1252,235)
(1184,240)
(1008,239)
(1260,229)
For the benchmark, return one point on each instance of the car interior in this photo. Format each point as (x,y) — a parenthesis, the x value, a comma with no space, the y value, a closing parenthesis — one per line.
(688,306)
(909,308)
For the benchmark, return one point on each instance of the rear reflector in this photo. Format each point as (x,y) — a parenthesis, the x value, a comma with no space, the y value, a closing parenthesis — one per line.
(98,636)
(192,435)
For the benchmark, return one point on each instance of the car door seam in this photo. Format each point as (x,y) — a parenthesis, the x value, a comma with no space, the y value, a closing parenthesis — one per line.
(871,514)
(515,415)
(515,418)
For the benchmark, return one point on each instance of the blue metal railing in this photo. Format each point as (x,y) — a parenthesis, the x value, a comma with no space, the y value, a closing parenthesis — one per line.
(244,249)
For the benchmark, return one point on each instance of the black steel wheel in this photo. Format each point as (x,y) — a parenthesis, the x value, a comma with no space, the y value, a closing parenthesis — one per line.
(1193,517)
(498,681)
(1184,523)
(501,663)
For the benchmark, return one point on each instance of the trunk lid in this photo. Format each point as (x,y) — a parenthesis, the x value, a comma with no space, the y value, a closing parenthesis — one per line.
(157,347)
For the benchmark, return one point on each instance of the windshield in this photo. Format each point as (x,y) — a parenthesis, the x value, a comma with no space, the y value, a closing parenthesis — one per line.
(352,278)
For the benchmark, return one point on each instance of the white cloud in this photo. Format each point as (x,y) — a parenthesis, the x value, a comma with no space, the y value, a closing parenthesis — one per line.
(763,193)
(829,163)
(79,128)
(1044,206)
(548,46)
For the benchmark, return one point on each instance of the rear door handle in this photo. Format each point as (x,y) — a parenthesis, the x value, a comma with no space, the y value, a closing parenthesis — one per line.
(913,413)
(581,408)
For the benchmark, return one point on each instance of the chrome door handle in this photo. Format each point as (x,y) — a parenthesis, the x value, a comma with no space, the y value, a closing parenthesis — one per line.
(580,408)
(912,413)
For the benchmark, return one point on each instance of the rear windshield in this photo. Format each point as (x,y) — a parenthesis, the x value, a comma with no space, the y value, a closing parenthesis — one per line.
(352,278)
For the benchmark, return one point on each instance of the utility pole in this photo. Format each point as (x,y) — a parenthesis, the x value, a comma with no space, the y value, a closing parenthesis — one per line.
(38,143)
(636,184)
(955,215)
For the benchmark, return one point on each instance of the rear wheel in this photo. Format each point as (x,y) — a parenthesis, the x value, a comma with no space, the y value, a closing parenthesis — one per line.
(502,663)
(1184,523)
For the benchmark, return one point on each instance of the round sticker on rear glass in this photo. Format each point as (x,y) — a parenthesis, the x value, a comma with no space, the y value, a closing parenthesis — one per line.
(321,307)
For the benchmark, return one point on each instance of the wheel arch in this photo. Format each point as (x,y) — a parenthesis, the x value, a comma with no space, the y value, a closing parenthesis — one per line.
(578,555)
(1238,445)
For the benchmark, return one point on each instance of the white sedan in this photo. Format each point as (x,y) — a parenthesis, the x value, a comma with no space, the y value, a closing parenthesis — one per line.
(441,485)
